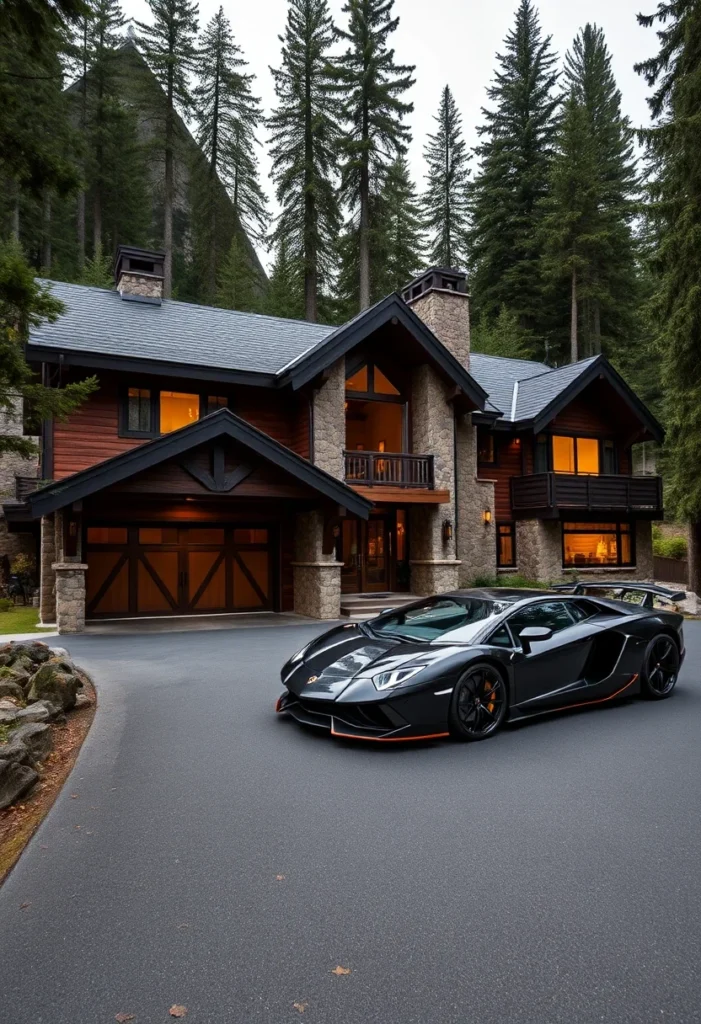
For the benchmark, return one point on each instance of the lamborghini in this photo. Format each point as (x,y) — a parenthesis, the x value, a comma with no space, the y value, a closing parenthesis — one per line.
(464,663)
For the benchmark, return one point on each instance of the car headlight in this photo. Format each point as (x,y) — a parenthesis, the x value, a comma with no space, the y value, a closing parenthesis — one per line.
(396,677)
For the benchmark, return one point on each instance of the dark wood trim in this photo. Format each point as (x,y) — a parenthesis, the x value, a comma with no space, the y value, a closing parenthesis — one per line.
(47,434)
(594,565)
(512,525)
(109,580)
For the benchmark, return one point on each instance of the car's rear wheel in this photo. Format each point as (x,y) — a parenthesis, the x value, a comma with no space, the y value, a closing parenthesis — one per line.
(478,704)
(660,667)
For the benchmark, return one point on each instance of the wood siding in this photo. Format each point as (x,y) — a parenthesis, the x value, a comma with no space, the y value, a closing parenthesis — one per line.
(91,434)
(508,453)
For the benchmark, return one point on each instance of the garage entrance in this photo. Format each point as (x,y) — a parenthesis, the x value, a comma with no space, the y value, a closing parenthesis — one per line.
(178,570)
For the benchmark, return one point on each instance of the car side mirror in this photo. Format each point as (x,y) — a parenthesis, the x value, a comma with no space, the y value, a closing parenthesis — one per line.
(534,635)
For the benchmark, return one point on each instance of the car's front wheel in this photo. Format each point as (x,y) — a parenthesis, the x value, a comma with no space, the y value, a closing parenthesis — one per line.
(478,704)
(660,667)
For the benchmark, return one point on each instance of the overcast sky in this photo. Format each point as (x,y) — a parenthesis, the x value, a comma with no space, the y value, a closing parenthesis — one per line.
(451,42)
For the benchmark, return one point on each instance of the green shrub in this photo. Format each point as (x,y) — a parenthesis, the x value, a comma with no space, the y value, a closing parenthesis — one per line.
(670,547)
(656,532)
(6,604)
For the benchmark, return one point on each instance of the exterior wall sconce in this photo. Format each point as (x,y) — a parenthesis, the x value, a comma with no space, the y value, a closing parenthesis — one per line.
(487,516)
(447,531)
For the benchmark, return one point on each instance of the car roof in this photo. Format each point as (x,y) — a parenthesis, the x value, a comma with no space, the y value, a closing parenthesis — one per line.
(506,595)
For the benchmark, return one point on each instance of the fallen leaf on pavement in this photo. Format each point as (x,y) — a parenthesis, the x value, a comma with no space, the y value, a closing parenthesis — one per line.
(23,906)
(279,878)
(300,1007)
(122,1018)
(74,796)
(341,970)
(177,1011)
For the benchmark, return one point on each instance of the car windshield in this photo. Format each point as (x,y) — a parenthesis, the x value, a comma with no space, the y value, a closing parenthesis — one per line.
(456,618)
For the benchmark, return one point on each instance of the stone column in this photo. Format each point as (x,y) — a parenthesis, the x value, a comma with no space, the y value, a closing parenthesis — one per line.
(47,576)
(329,417)
(317,577)
(539,549)
(70,596)
(476,541)
(447,314)
(645,569)
(434,566)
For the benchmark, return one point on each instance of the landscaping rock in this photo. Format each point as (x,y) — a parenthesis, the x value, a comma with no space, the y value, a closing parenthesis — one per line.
(9,688)
(82,701)
(15,674)
(34,651)
(37,738)
(59,652)
(16,752)
(54,681)
(8,715)
(34,713)
(15,781)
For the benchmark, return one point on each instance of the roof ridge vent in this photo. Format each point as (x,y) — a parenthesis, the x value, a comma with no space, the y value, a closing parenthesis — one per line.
(139,274)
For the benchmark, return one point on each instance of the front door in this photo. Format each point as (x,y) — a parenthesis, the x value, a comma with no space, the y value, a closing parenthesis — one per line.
(178,570)
(366,555)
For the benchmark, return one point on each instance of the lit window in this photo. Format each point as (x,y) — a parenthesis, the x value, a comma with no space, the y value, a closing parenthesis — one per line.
(596,544)
(563,454)
(506,544)
(177,410)
(359,381)
(486,454)
(381,385)
(139,410)
(587,455)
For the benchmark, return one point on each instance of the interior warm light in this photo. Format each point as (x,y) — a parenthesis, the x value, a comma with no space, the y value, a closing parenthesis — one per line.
(487,516)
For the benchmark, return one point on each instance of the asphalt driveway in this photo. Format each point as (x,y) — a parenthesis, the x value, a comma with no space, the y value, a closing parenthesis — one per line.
(206,853)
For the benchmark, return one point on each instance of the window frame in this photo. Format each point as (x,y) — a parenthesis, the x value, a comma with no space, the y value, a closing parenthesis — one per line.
(601,439)
(494,461)
(619,563)
(371,395)
(155,400)
(512,526)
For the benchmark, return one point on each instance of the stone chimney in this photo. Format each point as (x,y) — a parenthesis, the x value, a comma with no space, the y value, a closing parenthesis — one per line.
(139,274)
(439,296)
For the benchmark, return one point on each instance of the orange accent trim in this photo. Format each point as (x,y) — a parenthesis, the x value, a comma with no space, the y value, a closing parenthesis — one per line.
(278,702)
(403,495)
(390,739)
(599,700)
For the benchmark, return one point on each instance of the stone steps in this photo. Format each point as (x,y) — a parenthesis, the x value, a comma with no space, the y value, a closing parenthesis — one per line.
(359,607)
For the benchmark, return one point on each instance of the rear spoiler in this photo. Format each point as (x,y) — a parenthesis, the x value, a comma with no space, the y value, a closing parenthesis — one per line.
(650,589)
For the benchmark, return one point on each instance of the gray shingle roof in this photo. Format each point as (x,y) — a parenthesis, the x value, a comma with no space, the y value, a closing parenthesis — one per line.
(521,388)
(99,321)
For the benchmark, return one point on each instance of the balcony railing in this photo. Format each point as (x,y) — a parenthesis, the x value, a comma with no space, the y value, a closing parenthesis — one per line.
(549,492)
(370,469)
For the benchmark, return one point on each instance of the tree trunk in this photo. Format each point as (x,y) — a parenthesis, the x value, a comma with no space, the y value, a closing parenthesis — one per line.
(97,221)
(310,225)
(46,233)
(574,341)
(14,222)
(596,346)
(694,584)
(364,238)
(80,218)
(168,192)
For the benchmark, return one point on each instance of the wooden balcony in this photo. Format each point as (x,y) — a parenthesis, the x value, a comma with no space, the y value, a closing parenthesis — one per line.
(545,495)
(369,469)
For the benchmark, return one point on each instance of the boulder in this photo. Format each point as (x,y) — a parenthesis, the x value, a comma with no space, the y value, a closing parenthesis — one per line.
(8,715)
(82,701)
(9,688)
(54,681)
(36,736)
(15,673)
(16,752)
(34,713)
(34,651)
(59,652)
(15,781)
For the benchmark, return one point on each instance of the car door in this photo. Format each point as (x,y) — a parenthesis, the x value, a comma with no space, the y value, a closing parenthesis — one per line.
(543,675)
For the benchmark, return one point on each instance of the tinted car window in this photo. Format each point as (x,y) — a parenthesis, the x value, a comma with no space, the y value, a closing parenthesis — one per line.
(552,614)
(437,618)
(581,610)
(501,638)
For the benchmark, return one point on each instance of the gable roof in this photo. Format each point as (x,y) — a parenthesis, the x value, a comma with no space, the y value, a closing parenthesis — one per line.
(531,394)
(222,423)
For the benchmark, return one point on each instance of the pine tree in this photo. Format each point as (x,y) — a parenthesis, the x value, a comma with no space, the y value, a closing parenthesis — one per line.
(98,270)
(304,136)
(401,224)
(237,280)
(674,145)
(372,86)
(609,318)
(445,200)
(228,116)
(571,221)
(169,48)
(285,296)
(499,337)
(507,192)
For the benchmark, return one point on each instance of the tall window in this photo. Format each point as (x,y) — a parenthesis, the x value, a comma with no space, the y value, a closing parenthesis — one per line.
(139,418)
(597,544)
(376,412)
(506,545)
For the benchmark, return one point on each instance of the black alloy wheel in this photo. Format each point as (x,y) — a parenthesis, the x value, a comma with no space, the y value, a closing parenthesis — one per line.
(478,704)
(660,667)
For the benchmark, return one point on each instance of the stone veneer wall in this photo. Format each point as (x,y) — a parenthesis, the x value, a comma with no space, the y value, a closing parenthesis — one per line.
(448,315)
(434,566)
(317,577)
(330,421)
(144,285)
(47,576)
(70,596)
(11,466)
(539,553)
(476,541)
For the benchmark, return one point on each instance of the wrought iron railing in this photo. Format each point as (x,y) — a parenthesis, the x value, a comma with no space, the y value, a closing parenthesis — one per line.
(566,490)
(369,469)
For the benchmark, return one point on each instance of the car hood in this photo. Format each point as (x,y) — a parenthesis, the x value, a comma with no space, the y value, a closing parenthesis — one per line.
(345,657)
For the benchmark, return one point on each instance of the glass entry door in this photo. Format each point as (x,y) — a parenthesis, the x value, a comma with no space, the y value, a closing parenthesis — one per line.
(366,556)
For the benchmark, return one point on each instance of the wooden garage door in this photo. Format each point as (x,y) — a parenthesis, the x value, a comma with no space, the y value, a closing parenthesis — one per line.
(178,570)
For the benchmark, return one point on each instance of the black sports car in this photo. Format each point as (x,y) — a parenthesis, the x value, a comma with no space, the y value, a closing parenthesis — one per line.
(463,663)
